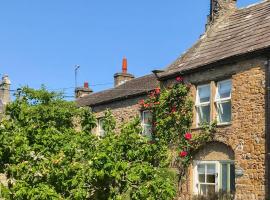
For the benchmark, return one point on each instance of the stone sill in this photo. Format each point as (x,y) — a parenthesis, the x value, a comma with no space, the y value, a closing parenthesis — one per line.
(224,125)
(218,126)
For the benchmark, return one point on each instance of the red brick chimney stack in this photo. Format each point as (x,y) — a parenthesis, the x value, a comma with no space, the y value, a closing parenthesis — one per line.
(124,76)
(124,65)
(83,91)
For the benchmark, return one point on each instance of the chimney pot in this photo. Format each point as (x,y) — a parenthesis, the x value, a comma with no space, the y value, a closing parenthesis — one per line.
(83,91)
(86,85)
(124,65)
(120,78)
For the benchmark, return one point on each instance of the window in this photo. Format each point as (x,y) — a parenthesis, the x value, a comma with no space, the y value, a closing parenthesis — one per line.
(146,118)
(223,101)
(213,176)
(203,104)
(100,130)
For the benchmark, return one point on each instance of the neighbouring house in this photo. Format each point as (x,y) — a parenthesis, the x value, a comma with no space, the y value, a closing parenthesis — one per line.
(122,100)
(229,72)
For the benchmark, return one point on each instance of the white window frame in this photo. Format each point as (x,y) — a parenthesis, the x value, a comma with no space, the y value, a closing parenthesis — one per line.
(218,174)
(222,100)
(145,124)
(198,104)
(100,130)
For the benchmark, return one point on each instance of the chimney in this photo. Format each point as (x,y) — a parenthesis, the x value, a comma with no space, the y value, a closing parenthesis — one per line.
(122,77)
(83,91)
(4,91)
(219,8)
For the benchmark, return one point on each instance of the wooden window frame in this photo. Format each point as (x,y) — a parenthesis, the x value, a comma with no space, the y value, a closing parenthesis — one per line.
(218,164)
(143,124)
(99,128)
(222,100)
(198,104)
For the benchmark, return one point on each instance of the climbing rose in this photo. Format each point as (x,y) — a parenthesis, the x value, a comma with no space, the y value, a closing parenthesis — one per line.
(183,154)
(146,105)
(141,102)
(188,136)
(179,79)
(173,109)
(157,90)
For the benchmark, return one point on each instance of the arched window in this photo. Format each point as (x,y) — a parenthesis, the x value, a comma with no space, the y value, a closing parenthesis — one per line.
(213,170)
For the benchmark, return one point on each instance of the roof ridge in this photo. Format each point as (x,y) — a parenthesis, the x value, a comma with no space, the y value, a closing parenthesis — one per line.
(117,87)
(248,26)
(252,5)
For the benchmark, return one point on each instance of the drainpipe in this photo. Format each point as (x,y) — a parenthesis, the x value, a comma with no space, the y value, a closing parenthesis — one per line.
(267,157)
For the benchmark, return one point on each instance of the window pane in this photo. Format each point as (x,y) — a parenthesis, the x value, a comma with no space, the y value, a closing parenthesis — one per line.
(211,178)
(211,173)
(204,114)
(204,94)
(201,172)
(147,130)
(202,178)
(224,89)
(201,169)
(207,189)
(224,112)
(147,117)
(211,169)
(101,131)
(147,123)
(202,190)
(224,177)
(211,189)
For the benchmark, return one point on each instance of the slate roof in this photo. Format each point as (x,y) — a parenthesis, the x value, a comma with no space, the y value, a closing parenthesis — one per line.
(135,87)
(237,33)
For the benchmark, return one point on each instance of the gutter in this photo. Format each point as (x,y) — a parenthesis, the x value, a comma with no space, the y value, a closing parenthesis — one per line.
(267,132)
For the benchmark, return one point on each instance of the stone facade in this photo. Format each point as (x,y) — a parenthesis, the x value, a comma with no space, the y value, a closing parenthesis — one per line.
(244,137)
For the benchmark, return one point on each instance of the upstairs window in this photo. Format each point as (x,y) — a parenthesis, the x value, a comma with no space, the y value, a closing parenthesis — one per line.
(100,129)
(146,118)
(203,104)
(223,101)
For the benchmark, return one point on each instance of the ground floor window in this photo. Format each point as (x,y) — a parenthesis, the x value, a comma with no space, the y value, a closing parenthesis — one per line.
(213,176)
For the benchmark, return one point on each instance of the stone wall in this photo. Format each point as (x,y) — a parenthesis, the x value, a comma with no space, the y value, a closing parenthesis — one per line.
(123,111)
(246,133)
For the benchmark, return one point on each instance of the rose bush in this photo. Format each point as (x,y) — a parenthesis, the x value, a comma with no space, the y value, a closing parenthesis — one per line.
(172,110)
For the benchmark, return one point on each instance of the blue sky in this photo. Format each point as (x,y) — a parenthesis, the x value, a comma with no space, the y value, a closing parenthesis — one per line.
(41,41)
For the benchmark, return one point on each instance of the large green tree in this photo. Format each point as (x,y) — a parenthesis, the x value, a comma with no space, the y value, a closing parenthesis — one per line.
(48,152)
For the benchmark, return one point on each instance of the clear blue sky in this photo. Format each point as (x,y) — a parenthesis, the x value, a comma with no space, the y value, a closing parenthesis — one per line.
(41,41)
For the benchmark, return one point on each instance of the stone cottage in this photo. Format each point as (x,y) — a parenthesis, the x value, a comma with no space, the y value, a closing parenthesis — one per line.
(122,100)
(228,68)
